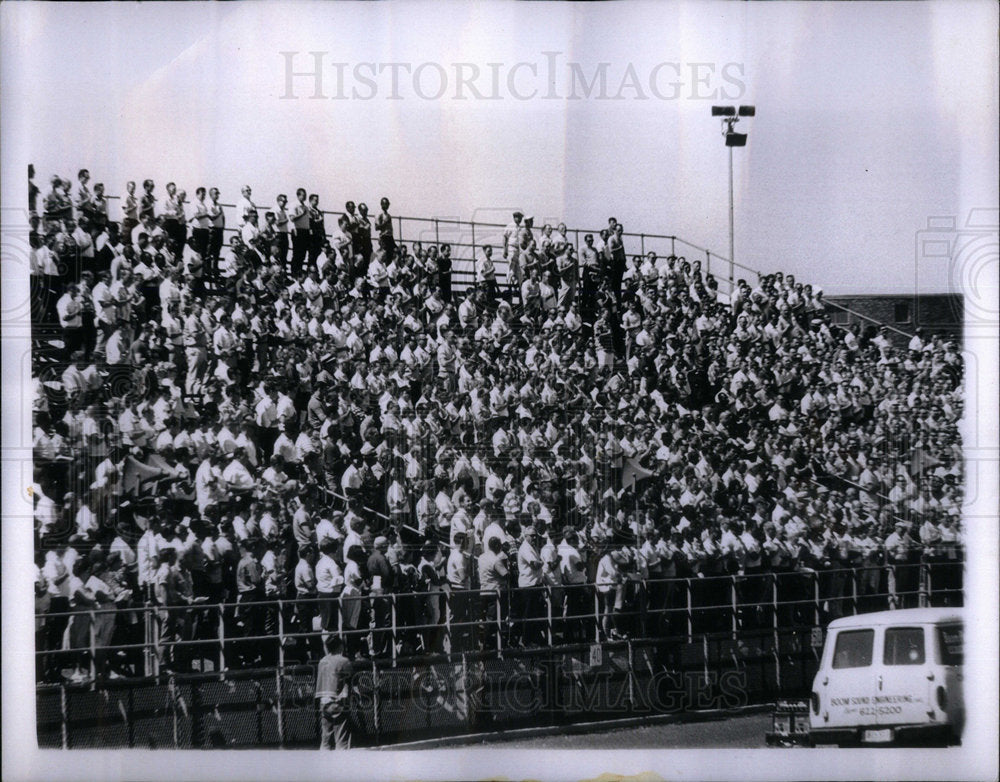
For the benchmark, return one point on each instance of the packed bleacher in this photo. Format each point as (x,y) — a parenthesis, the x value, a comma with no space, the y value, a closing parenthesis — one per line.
(241,405)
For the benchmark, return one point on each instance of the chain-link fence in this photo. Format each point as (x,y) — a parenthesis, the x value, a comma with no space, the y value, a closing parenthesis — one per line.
(475,693)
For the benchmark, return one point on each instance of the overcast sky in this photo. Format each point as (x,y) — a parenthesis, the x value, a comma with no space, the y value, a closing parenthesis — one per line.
(871,118)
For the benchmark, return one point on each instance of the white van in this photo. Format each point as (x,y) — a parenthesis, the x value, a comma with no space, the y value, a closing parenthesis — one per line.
(890,677)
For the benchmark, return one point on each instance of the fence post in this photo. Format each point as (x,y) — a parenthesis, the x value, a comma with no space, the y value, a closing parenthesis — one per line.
(690,623)
(642,244)
(631,675)
(774,625)
(922,584)
(156,644)
(930,584)
(281,645)
(147,641)
(222,636)
(93,648)
(548,611)
(172,691)
(392,614)
(197,729)
(815,577)
(465,689)
(644,607)
(891,586)
(597,617)
(259,709)
(64,714)
(732,588)
(131,717)
(704,650)
(447,619)
(437,235)
(774,604)
(376,704)
(499,598)
(673,246)
(278,690)
(854,591)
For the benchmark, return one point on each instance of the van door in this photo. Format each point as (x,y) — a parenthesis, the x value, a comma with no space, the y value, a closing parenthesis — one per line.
(905,685)
(847,687)
(950,659)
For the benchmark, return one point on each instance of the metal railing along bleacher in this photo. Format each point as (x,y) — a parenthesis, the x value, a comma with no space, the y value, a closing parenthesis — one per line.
(761,629)
(467,237)
(687,605)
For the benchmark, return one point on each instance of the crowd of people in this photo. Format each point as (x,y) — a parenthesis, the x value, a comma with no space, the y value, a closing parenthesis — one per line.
(229,410)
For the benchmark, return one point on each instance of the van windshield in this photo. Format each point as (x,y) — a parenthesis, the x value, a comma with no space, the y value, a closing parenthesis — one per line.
(853,649)
(950,642)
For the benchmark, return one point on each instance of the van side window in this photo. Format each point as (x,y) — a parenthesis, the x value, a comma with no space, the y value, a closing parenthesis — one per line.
(904,646)
(853,649)
(950,639)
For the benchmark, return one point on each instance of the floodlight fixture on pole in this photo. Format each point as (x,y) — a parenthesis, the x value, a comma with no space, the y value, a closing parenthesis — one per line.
(730,116)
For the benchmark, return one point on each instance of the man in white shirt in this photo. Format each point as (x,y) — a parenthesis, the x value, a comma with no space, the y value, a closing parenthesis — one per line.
(245,206)
(250,230)
(579,603)
(459,573)
(69,307)
(283,228)
(105,309)
(529,600)
(236,476)
(329,585)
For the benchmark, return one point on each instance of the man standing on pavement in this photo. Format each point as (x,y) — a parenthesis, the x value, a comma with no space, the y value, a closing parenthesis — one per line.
(333,690)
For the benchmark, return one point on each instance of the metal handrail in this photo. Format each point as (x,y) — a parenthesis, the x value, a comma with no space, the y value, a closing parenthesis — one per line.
(472,225)
(450,626)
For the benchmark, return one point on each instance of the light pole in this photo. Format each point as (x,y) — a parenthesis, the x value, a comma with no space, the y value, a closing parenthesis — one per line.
(730,116)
